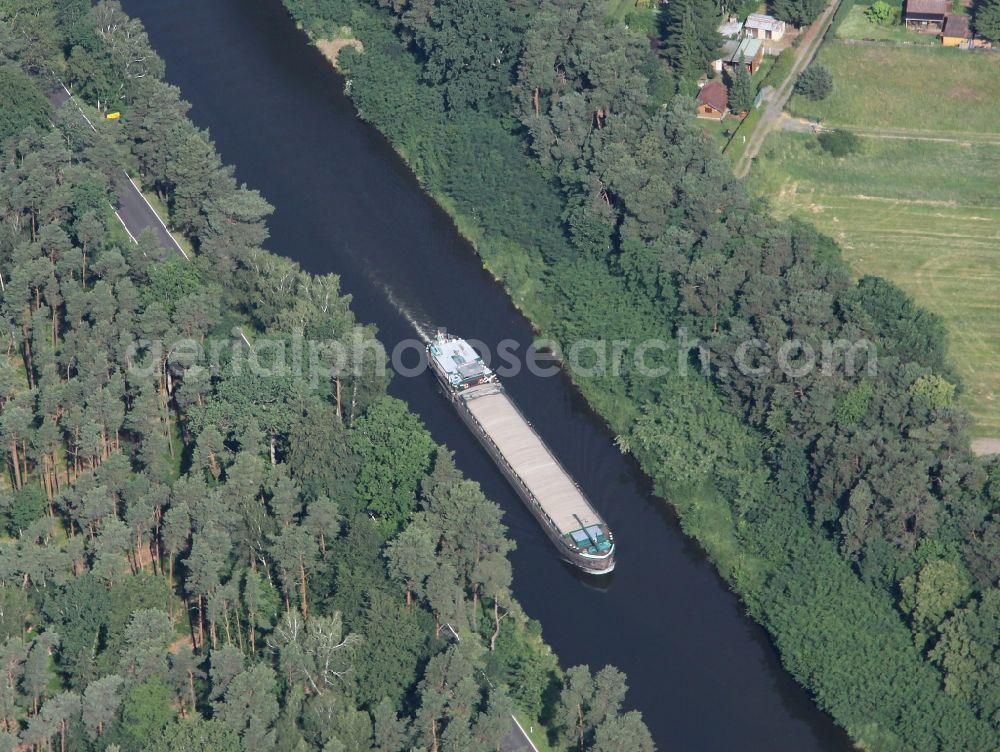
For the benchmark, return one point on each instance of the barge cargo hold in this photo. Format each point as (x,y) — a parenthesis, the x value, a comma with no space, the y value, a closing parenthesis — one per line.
(556,501)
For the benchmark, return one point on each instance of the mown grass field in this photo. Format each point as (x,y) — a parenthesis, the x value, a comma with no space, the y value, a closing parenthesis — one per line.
(857,26)
(924,88)
(924,214)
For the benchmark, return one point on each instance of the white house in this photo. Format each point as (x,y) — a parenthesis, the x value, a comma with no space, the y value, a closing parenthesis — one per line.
(759,26)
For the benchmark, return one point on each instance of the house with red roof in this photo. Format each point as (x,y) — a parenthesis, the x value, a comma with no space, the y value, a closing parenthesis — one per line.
(713,101)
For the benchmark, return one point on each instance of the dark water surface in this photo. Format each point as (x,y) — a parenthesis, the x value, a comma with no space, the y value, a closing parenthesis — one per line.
(704,676)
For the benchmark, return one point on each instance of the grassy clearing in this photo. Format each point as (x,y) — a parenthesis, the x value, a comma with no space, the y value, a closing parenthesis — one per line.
(763,70)
(912,170)
(738,143)
(856,25)
(618,8)
(717,130)
(783,65)
(929,88)
(923,214)
(638,17)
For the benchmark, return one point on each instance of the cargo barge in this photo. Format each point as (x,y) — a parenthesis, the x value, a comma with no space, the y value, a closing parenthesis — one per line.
(579,534)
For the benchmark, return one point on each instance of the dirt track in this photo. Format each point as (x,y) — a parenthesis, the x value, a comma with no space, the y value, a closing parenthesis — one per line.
(809,44)
(799,125)
(984,447)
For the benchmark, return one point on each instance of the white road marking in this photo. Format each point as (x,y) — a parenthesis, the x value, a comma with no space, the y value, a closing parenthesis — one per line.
(521,729)
(126,228)
(134,186)
(159,219)
(70,95)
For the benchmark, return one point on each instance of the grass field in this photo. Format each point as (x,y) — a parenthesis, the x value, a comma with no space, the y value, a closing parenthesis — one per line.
(618,8)
(857,26)
(641,16)
(927,88)
(923,214)
(735,146)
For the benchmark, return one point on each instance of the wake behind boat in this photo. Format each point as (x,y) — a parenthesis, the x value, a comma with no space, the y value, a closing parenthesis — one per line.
(567,517)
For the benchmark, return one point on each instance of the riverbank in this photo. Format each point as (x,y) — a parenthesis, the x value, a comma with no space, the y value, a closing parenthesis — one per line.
(347,205)
(834,631)
(331,48)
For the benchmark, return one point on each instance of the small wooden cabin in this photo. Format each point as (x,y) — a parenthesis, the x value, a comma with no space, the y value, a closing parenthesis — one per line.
(713,101)
(956,31)
(925,15)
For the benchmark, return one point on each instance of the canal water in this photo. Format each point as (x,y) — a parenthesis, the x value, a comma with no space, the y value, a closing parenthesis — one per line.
(704,676)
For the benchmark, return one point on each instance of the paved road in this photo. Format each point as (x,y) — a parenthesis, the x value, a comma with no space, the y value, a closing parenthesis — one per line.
(517,741)
(137,215)
(133,210)
(809,45)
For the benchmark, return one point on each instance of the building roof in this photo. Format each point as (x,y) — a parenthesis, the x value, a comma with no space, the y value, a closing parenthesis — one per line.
(730,28)
(926,7)
(761,21)
(715,95)
(729,48)
(957,26)
(749,49)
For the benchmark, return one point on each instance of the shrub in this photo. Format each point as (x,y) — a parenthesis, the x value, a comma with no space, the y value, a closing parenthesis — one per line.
(839,143)
(815,82)
(879,12)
